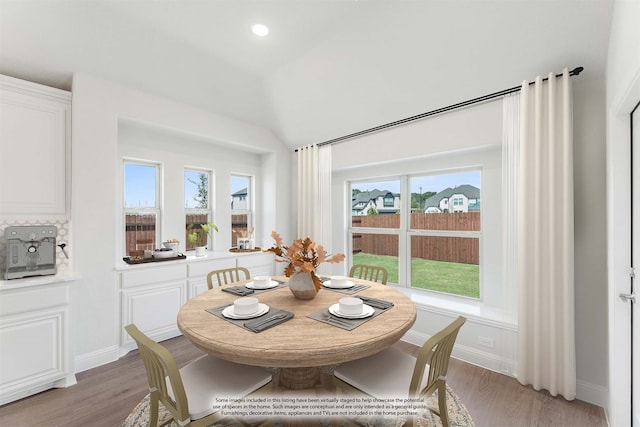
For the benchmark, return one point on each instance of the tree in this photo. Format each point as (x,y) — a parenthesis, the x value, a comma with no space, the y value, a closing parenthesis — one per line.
(417,200)
(372,211)
(202,197)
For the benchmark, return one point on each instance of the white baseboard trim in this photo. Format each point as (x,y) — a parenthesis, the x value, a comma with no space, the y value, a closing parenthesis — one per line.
(585,391)
(97,358)
(592,393)
(467,354)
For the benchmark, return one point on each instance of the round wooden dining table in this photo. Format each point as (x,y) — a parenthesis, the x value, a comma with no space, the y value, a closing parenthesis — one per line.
(302,351)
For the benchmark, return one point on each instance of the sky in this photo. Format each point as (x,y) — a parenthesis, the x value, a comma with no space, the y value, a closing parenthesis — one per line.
(140,184)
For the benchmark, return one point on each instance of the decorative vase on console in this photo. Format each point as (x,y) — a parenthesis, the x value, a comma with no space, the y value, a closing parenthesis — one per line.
(303,257)
(198,237)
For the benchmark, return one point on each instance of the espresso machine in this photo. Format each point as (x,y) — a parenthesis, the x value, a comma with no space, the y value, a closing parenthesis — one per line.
(31,250)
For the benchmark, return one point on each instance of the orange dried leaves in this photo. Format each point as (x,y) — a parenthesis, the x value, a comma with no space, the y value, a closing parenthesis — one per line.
(303,256)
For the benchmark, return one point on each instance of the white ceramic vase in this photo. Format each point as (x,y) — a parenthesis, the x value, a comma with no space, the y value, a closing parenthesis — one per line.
(201,250)
(301,286)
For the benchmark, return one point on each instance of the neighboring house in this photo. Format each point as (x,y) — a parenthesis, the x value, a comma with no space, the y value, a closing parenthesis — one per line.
(463,198)
(383,201)
(239,200)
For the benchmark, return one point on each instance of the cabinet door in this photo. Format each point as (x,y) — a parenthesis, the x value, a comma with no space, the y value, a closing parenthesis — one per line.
(153,309)
(258,264)
(33,150)
(33,352)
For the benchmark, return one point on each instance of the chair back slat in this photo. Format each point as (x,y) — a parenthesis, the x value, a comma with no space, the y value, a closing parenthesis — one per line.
(228,275)
(369,272)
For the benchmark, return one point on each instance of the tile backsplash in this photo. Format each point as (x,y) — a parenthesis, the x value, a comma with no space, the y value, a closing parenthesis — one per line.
(62,262)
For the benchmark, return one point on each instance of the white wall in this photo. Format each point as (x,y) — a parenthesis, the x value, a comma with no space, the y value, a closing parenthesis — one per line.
(414,146)
(623,92)
(98,106)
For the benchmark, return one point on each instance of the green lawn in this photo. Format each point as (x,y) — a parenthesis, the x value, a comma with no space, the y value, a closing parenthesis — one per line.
(449,277)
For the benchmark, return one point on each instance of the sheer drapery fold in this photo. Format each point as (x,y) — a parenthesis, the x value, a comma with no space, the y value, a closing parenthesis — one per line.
(545,237)
(314,195)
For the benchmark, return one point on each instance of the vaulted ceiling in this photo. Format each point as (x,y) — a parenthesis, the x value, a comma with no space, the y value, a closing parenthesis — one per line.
(327,68)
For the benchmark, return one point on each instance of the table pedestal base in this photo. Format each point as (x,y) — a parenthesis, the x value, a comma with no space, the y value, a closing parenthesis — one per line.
(303,378)
(299,378)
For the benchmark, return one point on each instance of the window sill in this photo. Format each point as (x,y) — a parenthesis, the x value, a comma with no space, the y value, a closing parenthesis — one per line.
(450,305)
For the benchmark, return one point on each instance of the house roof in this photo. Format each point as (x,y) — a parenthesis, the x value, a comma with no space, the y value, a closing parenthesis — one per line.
(242,192)
(468,190)
(366,196)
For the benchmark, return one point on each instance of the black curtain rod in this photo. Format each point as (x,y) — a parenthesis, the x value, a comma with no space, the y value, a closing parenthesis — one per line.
(576,71)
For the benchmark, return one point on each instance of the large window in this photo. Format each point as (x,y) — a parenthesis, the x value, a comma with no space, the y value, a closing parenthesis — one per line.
(197,201)
(141,206)
(241,208)
(431,235)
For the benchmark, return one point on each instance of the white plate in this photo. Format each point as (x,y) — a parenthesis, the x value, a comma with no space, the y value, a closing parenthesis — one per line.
(348,284)
(367,311)
(272,284)
(262,309)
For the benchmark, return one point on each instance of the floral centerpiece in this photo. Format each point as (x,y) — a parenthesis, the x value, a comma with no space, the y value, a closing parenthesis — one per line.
(303,256)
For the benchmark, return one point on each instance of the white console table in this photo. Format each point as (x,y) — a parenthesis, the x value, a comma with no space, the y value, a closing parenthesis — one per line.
(151,294)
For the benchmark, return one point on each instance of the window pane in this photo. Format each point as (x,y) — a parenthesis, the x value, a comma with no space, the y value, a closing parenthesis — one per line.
(140,234)
(241,220)
(446,264)
(375,204)
(446,201)
(196,189)
(377,249)
(196,220)
(140,185)
(240,193)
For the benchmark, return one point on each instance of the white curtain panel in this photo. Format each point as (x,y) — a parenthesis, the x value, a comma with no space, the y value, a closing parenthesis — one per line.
(314,194)
(510,159)
(546,337)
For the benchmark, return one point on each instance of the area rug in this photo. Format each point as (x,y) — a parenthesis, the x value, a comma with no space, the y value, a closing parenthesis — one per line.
(458,416)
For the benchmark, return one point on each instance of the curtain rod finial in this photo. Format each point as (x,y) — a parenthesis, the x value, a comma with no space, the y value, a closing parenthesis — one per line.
(576,71)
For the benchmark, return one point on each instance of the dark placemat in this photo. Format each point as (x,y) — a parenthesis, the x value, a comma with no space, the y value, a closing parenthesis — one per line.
(242,290)
(340,322)
(271,318)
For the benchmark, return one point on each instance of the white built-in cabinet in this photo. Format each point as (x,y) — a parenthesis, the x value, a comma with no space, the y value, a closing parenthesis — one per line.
(35,136)
(34,337)
(151,294)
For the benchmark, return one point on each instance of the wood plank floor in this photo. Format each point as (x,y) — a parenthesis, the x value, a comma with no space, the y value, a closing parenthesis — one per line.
(104,396)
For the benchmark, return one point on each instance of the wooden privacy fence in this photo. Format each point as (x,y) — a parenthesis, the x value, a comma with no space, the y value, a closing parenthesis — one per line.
(451,249)
(141,230)
(140,233)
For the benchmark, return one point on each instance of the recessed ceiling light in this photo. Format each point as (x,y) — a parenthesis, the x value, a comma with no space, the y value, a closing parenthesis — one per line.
(260,30)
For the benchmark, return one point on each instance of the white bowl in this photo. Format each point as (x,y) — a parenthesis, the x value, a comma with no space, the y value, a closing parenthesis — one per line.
(339,281)
(262,281)
(163,254)
(245,306)
(171,245)
(350,306)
